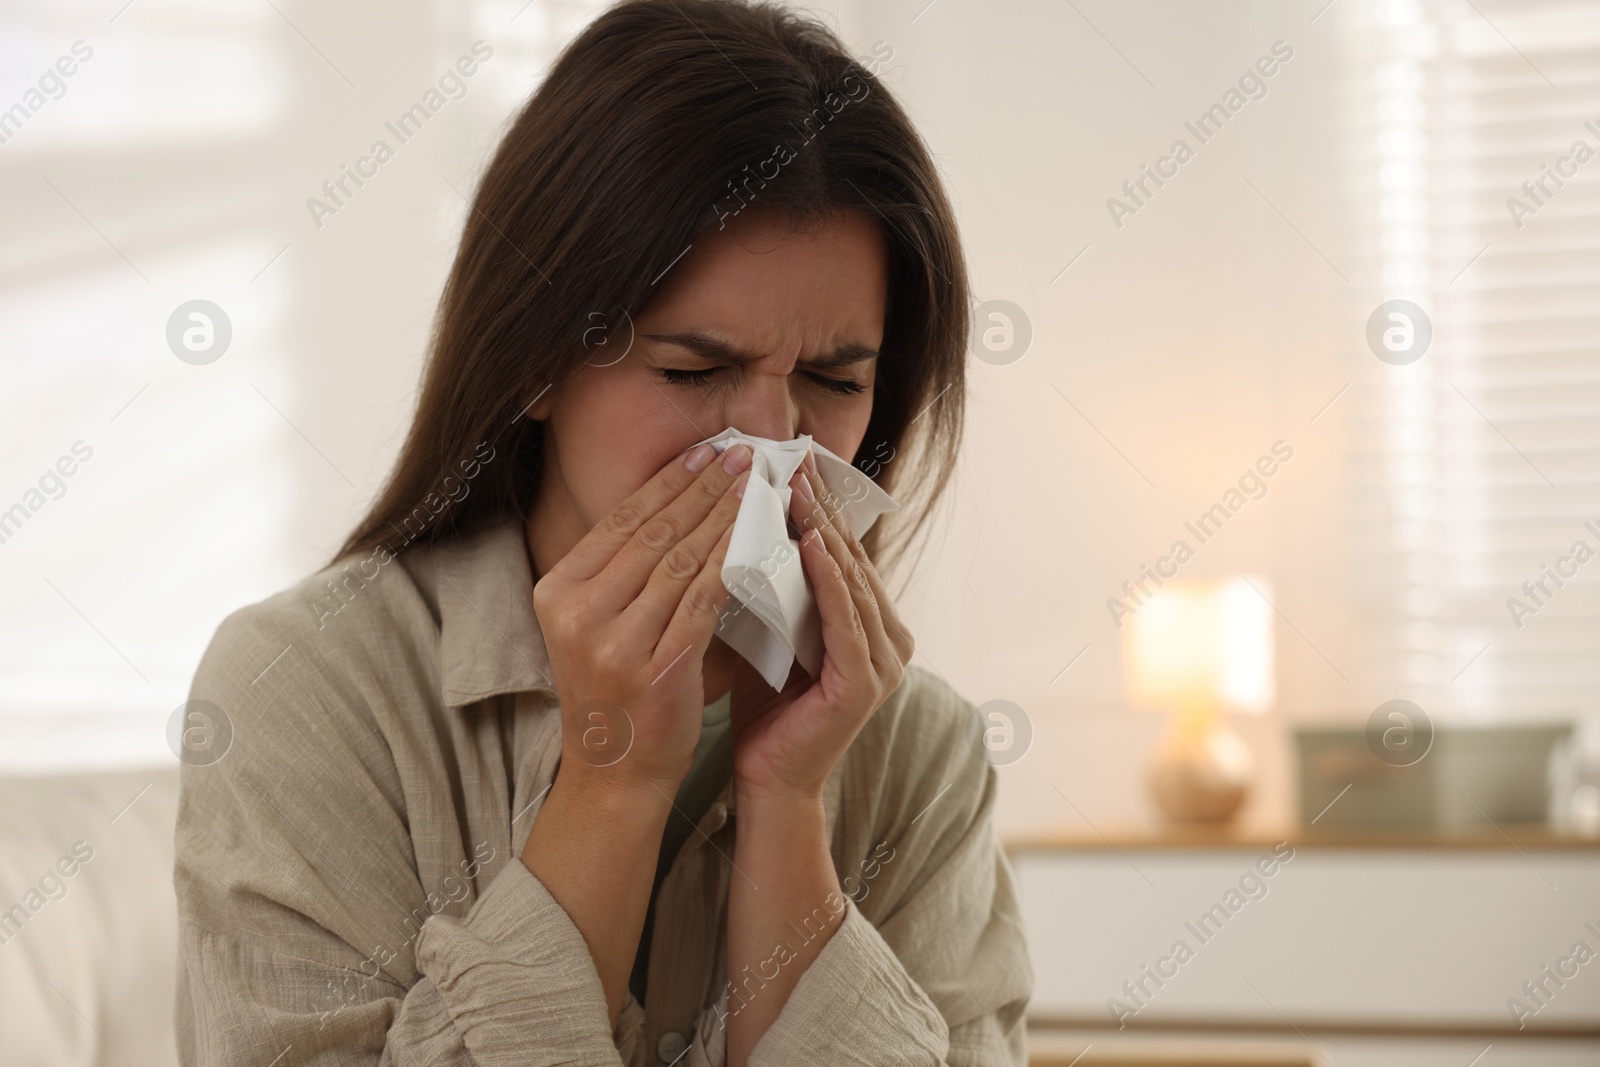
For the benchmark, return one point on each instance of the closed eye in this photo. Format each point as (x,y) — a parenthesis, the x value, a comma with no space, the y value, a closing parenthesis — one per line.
(841,386)
(688,377)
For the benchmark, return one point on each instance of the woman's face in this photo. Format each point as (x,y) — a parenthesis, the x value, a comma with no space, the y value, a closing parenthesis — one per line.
(760,327)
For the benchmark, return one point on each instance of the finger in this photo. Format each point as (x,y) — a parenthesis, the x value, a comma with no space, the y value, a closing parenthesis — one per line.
(844,639)
(814,506)
(815,513)
(648,614)
(597,548)
(689,633)
(637,533)
(833,506)
(623,580)
(898,633)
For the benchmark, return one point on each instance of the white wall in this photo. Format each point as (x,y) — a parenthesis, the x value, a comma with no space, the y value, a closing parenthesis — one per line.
(1190,339)
(179,163)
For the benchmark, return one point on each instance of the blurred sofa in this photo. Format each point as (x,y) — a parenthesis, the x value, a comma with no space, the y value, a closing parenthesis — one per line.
(88,919)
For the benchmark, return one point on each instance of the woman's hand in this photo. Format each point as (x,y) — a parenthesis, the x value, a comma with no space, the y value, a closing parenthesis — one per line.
(785,744)
(627,616)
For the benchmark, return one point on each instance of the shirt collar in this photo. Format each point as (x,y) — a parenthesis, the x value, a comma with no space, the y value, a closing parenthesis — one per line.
(489,637)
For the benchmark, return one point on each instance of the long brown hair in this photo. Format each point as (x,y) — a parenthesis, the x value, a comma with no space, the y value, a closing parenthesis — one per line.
(661,119)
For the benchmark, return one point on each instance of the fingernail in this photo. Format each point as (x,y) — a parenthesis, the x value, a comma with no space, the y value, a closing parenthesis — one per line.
(738,487)
(737,459)
(803,487)
(698,457)
(811,463)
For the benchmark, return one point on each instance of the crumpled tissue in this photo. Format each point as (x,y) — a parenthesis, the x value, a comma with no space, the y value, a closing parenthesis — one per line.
(771,618)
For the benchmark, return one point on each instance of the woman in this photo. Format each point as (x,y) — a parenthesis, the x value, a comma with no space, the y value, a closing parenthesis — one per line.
(497,792)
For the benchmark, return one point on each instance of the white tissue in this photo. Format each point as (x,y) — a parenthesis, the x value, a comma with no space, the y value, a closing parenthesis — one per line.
(771,618)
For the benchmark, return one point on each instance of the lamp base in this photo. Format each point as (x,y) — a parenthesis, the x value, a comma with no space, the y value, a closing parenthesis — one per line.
(1201,771)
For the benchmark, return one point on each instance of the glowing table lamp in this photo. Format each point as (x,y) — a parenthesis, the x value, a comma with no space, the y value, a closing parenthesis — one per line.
(1197,650)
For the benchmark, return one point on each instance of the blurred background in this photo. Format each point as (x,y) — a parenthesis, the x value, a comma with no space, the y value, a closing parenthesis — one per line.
(1344,345)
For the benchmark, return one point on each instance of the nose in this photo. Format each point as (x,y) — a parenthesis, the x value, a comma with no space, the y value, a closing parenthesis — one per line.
(764,407)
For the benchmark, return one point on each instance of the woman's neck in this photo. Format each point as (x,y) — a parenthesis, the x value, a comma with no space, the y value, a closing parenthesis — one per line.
(718,669)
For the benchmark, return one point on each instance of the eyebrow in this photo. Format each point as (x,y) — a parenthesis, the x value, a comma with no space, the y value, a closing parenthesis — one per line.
(719,351)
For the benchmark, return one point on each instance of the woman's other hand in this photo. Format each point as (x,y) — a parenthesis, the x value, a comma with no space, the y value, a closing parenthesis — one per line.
(786,743)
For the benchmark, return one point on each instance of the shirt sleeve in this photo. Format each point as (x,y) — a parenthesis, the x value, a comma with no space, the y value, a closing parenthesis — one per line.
(929,966)
(305,935)
(858,1004)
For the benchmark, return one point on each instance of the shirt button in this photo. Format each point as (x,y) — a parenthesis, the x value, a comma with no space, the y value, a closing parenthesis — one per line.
(671,1046)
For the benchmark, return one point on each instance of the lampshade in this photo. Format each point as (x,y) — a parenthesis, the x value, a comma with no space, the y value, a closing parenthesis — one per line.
(1202,644)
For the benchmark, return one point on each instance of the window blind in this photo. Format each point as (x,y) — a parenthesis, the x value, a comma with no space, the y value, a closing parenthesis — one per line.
(1475,185)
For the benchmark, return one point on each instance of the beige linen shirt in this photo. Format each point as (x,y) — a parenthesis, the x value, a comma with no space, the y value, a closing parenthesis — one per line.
(350,889)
